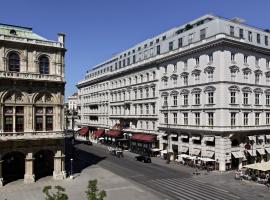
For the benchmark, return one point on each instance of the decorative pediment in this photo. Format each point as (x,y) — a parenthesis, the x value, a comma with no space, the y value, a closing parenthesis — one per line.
(209,89)
(152,85)
(209,69)
(174,76)
(164,94)
(184,91)
(246,70)
(14,97)
(196,90)
(174,92)
(258,90)
(164,78)
(196,72)
(234,68)
(246,89)
(44,97)
(184,74)
(258,72)
(234,88)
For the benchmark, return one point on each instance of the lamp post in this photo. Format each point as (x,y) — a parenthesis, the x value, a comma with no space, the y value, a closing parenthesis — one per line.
(71,168)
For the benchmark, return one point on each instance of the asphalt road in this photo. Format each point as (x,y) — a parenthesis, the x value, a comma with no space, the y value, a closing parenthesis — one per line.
(163,181)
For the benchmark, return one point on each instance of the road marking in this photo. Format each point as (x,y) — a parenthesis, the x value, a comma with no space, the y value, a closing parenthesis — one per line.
(124,188)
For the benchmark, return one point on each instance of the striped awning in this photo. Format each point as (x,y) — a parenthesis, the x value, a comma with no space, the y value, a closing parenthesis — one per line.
(267,149)
(183,149)
(195,152)
(238,154)
(252,152)
(208,154)
(195,137)
(209,138)
(261,151)
(184,136)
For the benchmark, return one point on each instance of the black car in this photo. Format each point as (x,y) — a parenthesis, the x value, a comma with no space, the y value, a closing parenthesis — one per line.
(144,159)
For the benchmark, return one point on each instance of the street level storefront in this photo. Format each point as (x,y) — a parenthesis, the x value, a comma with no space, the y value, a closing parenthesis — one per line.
(143,143)
(112,137)
(98,134)
(83,133)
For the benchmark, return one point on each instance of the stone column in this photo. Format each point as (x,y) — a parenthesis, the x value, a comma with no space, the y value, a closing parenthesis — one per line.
(29,176)
(59,166)
(1,176)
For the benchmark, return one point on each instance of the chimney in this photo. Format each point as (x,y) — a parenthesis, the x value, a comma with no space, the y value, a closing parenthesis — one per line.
(61,38)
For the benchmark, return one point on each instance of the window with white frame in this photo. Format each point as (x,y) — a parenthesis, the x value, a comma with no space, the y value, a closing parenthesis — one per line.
(232,57)
(154,125)
(175,118)
(141,93)
(250,36)
(135,109)
(147,109)
(185,97)
(141,109)
(154,75)
(190,38)
(175,67)
(166,118)
(245,98)
(267,118)
(165,82)
(246,77)
(245,59)
(257,99)
(185,64)
(147,125)
(233,119)
(257,78)
(197,119)
(267,80)
(197,60)
(185,118)
(165,101)
(246,119)
(185,80)
(210,76)
(267,98)
(135,94)
(233,97)
(197,98)
(257,119)
(175,100)
(153,109)
(153,91)
(174,81)
(210,57)
(233,76)
(211,119)
(147,92)
(147,77)
(197,78)
(210,97)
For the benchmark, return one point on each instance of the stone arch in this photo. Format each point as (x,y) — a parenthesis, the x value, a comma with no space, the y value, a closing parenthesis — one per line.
(43,97)
(9,51)
(13,166)
(14,96)
(44,163)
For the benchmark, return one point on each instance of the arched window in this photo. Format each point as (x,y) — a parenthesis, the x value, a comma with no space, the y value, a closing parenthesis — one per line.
(43,65)
(14,62)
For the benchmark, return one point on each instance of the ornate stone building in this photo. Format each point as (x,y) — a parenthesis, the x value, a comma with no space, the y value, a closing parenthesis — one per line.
(31,105)
(202,90)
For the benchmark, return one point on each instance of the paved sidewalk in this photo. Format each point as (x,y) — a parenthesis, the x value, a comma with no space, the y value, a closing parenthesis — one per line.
(117,188)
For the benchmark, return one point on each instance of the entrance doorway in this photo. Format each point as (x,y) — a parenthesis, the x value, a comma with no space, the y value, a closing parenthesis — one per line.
(13,166)
(44,163)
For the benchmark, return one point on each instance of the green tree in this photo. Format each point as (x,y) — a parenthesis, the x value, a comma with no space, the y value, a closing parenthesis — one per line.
(93,192)
(58,193)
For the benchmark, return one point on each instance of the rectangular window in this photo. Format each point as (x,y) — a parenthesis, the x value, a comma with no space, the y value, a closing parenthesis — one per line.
(231,30)
(257,119)
(202,34)
(134,58)
(190,38)
(135,94)
(166,118)
(180,42)
(257,61)
(153,109)
(175,118)
(185,118)
(141,93)
(39,123)
(233,97)
(49,123)
(233,75)
(267,118)
(245,95)
(175,100)
(267,98)
(267,63)
(165,101)
(258,38)
(185,64)
(257,78)
(266,40)
(210,75)
(197,61)
(147,92)
(135,109)
(19,124)
(197,119)
(241,33)
(210,56)
(250,36)
(147,109)
(257,99)
(233,119)
(232,56)
(185,99)
(147,125)
(211,119)
(8,124)
(185,80)
(141,109)
(245,59)
(154,125)
(197,78)
(210,97)
(197,98)
(170,46)
(245,119)
(153,91)
(158,49)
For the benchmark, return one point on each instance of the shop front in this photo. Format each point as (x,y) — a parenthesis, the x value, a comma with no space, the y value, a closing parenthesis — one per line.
(112,137)
(98,134)
(142,143)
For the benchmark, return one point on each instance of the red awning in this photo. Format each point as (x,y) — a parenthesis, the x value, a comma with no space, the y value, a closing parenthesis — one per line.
(98,133)
(83,131)
(143,137)
(114,133)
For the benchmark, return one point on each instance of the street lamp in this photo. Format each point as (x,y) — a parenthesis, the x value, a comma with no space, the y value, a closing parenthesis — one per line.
(71,168)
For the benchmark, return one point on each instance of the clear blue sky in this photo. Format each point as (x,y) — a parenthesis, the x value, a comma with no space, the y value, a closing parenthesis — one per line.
(96,29)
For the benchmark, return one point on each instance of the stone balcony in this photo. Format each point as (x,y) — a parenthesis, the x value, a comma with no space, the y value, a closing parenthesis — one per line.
(31,135)
(31,76)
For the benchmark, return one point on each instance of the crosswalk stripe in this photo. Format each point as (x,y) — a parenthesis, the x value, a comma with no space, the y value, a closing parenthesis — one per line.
(183,193)
(197,188)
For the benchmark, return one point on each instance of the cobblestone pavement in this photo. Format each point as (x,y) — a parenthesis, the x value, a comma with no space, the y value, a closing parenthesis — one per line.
(117,188)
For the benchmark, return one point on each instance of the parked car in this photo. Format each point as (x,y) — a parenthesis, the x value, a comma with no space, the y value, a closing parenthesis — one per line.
(88,142)
(144,159)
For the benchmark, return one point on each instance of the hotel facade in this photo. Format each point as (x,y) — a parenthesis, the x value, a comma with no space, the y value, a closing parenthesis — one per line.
(200,89)
(31,105)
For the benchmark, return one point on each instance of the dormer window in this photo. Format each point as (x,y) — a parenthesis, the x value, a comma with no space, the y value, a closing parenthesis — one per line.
(13,32)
